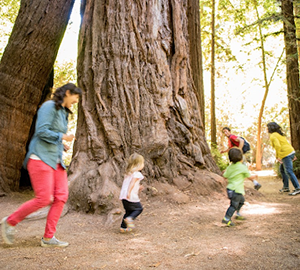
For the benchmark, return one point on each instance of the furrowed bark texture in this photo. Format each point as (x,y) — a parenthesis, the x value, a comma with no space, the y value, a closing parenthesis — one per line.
(196,60)
(24,71)
(134,66)
(292,71)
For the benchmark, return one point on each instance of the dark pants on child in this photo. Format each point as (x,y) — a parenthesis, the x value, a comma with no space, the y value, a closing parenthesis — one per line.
(236,202)
(132,209)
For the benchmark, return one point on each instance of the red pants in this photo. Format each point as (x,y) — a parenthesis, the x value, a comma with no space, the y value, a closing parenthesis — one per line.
(50,187)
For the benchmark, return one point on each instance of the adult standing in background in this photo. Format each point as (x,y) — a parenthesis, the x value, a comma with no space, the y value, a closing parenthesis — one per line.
(285,154)
(236,141)
(45,165)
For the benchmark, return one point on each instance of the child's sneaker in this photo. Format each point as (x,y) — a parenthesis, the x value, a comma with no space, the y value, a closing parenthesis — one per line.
(125,230)
(129,222)
(285,189)
(229,223)
(257,186)
(239,217)
(295,192)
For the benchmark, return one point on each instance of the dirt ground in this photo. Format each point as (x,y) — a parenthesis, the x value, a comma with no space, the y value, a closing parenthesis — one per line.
(168,236)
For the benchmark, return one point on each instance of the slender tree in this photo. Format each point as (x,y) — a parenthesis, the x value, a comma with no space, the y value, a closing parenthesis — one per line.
(260,30)
(267,82)
(212,79)
(24,72)
(134,66)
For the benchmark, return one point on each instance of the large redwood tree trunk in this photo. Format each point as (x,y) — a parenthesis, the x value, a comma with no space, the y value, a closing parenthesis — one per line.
(24,71)
(292,71)
(134,66)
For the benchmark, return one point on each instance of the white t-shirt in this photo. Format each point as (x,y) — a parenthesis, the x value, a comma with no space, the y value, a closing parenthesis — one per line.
(134,196)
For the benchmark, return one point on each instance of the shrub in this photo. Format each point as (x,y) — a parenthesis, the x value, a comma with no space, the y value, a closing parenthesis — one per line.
(221,162)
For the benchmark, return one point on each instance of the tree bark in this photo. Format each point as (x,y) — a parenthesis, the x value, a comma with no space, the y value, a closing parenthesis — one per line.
(134,66)
(196,60)
(297,24)
(292,71)
(213,125)
(24,71)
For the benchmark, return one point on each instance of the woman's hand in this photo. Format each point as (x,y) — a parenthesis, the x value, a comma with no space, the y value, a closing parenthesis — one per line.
(279,160)
(66,147)
(68,138)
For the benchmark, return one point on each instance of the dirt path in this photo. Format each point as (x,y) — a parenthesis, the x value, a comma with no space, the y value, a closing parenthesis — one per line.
(168,236)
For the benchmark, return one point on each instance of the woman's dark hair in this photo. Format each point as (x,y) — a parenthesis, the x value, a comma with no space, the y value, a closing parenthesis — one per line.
(226,128)
(274,127)
(60,93)
(235,155)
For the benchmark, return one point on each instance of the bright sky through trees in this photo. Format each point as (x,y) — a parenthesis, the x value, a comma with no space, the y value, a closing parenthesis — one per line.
(240,92)
(68,48)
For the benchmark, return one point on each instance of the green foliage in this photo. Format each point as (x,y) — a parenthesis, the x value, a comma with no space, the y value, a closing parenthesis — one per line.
(250,14)
(64,73)
(223,24)
(8,14)
(9,10)
(220,160)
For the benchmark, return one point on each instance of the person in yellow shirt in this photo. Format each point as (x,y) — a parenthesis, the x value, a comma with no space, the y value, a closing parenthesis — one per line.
(285,154)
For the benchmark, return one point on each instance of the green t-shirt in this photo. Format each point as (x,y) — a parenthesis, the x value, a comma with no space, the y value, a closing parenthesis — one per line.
(236,174)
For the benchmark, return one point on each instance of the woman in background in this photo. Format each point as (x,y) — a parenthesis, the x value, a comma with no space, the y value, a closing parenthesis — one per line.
(285,154)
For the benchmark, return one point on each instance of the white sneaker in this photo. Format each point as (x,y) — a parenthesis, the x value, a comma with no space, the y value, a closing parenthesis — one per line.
(129,222)
(53,242)
(8,232)
(295,192)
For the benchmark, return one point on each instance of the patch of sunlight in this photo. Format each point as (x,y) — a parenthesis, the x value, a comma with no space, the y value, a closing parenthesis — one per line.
(262,209)
(265,173)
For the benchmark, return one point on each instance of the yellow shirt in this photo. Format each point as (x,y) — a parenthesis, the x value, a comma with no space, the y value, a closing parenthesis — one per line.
(281,145)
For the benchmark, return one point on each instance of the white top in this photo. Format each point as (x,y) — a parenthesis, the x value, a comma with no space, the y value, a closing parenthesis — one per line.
(35,157)
(134,196)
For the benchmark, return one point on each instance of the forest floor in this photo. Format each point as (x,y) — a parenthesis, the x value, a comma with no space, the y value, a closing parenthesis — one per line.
(167,236)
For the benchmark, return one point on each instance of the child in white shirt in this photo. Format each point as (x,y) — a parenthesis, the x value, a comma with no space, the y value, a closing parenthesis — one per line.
(130,192)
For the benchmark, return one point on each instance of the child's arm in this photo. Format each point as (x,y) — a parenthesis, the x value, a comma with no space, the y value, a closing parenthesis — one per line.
(224,151)
(253,177)
(131,185)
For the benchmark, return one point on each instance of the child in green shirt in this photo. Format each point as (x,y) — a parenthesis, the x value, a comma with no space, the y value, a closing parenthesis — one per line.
(236,173)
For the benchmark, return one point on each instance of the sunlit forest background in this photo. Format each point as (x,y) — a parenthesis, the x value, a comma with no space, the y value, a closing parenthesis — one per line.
(239,28)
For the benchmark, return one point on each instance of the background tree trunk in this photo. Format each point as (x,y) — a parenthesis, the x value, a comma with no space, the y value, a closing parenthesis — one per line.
(296,6)
(24,71)
(194,29)
(134,66)
(213,124)
(262,107)
(292,71)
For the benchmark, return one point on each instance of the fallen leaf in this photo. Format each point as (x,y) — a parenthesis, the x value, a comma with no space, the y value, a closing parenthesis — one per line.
(156,264)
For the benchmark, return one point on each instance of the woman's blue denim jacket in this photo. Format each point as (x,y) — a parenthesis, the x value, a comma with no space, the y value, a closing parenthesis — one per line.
(46,142)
